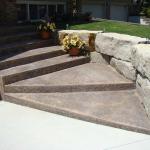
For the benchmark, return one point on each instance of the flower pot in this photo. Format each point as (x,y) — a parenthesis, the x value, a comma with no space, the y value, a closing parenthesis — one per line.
(45,35)
(74,51)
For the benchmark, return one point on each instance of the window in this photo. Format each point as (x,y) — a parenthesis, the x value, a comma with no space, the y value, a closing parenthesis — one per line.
(33,12)
(39,11)
(51,10)
(22,12)
(42,11)
(60,9)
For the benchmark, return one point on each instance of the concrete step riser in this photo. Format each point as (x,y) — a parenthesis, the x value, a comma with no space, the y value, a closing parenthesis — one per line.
(68,88)
(30,59)
(15,30)
(42,71)
(71,114)
(21,48)
(16,38)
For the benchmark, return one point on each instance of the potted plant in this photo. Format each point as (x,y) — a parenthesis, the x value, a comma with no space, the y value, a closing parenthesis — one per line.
(46,29)
(74,45)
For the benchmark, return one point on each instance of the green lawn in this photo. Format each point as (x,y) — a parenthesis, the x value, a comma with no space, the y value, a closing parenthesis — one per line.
(114,26)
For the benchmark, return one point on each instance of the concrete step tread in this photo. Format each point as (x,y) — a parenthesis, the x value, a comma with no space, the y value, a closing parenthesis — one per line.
(120,109)
(39,64)
(86,77)
(18,35)
(22,43)
(12,27)
(11,30)
(34,52)
(90,73)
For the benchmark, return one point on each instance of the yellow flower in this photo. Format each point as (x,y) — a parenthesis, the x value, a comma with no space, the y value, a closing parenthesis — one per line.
(40,27)
(54,26)
(45,27)
(73,42)
(66,42)
(75,38)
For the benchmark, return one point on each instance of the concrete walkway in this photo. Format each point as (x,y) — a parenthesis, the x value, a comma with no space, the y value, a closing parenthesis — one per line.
(23,128)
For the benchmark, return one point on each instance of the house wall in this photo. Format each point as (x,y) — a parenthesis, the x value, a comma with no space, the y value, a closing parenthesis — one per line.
(122,2)
(8,8)
(40,1)
(97,8)
(107,9)
(38,4)
(8,11)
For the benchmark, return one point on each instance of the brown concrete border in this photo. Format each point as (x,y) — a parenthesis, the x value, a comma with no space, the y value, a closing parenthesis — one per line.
(1,88)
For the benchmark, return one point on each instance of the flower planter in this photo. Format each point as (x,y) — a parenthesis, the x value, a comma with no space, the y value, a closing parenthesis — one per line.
(45,35)
(74,51)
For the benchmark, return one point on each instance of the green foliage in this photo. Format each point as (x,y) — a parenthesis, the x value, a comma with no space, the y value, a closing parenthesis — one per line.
(148,12)
(146,3)
(145,9)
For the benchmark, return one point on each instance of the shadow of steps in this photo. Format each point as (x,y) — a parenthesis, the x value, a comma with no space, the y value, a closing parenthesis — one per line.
(18,37)
(12,30)
(13,48)
(120,109)
(31,56)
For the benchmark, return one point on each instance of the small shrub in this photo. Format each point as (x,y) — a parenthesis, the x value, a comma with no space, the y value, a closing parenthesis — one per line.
(148,12)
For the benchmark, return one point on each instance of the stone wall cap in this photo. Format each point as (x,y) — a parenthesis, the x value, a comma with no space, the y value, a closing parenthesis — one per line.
(124,37)
(79,31)
(147,87)
(142,50)
(143,47)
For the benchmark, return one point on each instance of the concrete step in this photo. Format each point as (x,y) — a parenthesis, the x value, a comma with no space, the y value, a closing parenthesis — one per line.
(120,109)
(12,30)
(31,56)
(42,67)
(18,37)
(86,77)
(13,48)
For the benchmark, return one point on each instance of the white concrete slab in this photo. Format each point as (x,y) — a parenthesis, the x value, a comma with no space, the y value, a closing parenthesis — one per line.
(139,145)
(23,128)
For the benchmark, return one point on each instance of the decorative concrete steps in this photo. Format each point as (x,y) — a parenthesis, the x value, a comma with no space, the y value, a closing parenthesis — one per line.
(12,30)
(23,46)
(86,77)
(42,67)
(120,109)
(31,56)
(18,37)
